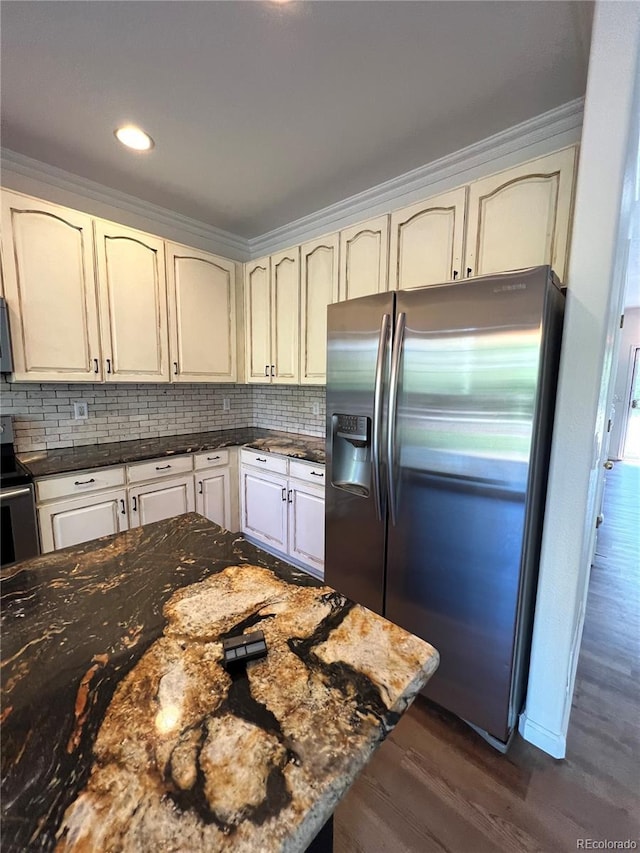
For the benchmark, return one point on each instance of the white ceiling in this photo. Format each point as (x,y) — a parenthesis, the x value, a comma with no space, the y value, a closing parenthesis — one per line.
(263,113)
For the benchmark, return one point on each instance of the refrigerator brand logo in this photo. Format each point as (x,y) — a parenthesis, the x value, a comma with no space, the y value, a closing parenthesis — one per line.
(520,285)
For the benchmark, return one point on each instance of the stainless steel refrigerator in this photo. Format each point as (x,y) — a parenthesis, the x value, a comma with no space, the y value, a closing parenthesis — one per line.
(440,405)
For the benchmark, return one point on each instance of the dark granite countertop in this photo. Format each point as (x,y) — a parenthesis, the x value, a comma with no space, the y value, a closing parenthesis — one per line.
(42,463)
(121,730)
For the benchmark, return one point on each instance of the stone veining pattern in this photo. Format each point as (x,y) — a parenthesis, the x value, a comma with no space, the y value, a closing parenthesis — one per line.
(123,731)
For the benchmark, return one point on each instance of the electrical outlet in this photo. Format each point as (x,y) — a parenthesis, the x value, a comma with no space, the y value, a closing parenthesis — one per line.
(80,410)
(226,404)
(315,408)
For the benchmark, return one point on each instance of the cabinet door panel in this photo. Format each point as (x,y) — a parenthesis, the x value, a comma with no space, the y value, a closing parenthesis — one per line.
(364,251)
(319,288)
(285,316)
(155,503)
(426,241)
(202,316)
(71,522)
(306,525)
(50,288)
(133,304)
(258,321)
(264,508)
(213,497)
(521,217)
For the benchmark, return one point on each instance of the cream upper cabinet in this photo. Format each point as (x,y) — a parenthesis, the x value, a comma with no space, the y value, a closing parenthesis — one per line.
(257,292)
(521,217)
(364,252)
(272,317)
(50,288)
(285,317)
(202,316)
(318,289)
(427,241)
(133,304)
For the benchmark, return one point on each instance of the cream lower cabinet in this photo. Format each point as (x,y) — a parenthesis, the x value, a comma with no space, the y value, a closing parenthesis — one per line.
(202,316)
(76,520)
(216,483)
(284,508)
(157,501)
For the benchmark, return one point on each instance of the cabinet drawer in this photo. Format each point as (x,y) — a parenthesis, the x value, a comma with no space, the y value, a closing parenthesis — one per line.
(211,459)
(307,471)
(264,461)
(168,466)
(77,483)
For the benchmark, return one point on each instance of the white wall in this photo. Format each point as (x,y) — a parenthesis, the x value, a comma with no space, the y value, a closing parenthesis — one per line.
(593,308)
(629,339)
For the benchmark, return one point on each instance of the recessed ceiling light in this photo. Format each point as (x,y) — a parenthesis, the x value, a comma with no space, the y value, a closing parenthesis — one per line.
(133,137)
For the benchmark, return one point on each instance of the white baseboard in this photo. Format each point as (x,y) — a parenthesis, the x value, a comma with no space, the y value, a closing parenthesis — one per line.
(553,743)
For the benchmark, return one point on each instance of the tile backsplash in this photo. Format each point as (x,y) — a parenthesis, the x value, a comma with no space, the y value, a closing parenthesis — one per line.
(43,413)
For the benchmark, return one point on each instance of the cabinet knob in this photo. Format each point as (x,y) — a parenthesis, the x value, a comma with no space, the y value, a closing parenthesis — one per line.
(455,274)
(608,465)
(469,271)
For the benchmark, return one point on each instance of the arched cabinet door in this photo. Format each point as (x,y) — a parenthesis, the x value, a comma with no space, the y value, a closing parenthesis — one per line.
(285,317)
(257,319)
(133,304)
(427,240)
(364,254)
(521,217)
(50,288)
(318,289)
(202,316)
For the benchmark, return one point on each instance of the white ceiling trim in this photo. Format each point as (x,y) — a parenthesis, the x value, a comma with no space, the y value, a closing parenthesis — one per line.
(535,137)
(227,244)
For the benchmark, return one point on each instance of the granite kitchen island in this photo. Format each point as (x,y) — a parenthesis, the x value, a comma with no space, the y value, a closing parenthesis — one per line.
(121,729)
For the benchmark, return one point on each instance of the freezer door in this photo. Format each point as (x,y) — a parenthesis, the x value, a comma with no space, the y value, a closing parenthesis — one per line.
(467,387)
(358,358)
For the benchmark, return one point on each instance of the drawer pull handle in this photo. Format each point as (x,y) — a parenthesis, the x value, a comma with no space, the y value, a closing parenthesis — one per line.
(123,511)
(284,493)
(84,482)
(95,365)
(212,458)
(108,365)
(162,467)
(175,367)
(200,489)
(258,459)
(273,370)
(316,474)
(469,271)
(266,370)
(135,504)
(289,500)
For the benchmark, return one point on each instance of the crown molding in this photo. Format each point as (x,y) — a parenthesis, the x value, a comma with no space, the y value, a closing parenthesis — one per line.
(228,244)
(535,137)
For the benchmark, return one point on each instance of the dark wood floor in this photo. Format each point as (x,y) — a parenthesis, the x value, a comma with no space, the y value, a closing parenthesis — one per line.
(435,785)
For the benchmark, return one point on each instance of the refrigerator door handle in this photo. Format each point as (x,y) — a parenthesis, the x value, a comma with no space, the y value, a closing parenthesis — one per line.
(393,402)
(377,413)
